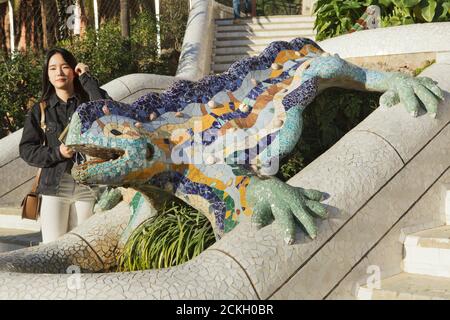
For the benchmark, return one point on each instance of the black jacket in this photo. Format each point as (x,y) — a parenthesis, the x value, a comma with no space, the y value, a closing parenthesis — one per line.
(57,117)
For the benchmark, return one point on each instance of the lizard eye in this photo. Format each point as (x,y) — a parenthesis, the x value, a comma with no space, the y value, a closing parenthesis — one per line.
(116,132)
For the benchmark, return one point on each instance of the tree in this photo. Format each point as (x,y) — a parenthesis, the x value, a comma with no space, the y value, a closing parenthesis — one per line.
(125,18)
(4,28)
(44,15)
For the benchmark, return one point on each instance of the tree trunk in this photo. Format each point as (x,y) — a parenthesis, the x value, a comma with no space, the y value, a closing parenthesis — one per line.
(52,22)
(21,38)
(44,24)
(4,21)
(125,18)
(87,15)
(61,25)
(32,27)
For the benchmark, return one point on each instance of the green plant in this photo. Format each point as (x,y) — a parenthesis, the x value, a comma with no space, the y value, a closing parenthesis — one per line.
(292,165)
(143,38)
(106,52)
(20,80)
(175,235)
(110,56)
(336,17)
(416,11)
(174,17)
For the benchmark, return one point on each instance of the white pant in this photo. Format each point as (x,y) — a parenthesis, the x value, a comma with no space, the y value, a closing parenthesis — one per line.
(71,206)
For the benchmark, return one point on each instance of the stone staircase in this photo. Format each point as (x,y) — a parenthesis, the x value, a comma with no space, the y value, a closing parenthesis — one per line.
(234,41)
(426,267)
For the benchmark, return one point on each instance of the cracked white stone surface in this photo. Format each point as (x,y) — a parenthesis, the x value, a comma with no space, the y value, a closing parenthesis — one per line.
(171,283)
(371,223)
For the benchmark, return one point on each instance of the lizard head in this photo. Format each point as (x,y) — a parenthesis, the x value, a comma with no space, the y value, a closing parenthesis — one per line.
(117,146)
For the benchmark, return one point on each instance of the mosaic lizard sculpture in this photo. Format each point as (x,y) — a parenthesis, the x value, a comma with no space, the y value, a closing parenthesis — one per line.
(215,143)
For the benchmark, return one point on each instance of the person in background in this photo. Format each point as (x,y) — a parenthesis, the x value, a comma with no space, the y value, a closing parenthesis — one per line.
(237,9)
(65,85)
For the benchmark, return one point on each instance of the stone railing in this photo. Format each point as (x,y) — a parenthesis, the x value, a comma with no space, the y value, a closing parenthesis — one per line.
(196,52)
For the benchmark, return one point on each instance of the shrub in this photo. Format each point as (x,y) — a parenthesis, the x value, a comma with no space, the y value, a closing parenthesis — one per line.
(174,18)
(336,17)
(175,235)
(109,56)
(20,80)
(106,52)
(416,11)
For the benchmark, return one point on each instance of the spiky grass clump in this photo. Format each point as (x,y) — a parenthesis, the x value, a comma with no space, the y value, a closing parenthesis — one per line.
(175,235)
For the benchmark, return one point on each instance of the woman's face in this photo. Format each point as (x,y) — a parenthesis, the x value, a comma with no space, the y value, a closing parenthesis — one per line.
(60,74)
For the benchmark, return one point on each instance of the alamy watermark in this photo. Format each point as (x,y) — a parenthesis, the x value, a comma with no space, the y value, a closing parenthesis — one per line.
(74,21)
(374,280)
(74,282)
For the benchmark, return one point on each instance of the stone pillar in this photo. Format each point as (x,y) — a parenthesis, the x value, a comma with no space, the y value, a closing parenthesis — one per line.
(307,7)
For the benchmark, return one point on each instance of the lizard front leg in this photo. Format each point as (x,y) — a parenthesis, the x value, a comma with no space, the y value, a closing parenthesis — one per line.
(271,198)
(332,71)
(228,195)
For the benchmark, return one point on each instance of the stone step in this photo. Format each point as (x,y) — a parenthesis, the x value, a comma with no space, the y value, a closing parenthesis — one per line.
(428,252)
(11,218)
(240,35)
(260,41)
(262,27)
(13,239)
(405,286)
(268,19)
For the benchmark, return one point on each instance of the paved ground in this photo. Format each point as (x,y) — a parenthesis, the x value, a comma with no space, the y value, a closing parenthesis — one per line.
(13,239)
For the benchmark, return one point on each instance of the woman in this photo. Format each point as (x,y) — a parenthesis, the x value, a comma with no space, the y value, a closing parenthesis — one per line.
(65,85)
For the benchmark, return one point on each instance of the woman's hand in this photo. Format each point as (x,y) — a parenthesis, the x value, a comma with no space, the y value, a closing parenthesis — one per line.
(65,151)
(81,68)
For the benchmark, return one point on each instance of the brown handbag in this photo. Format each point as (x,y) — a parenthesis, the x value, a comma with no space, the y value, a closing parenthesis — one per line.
(31,203)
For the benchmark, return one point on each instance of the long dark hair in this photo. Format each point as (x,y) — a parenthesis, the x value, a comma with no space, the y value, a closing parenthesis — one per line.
(47,88)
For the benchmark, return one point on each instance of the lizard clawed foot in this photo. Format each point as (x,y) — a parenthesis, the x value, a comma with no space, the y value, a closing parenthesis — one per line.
(412,92)
(272,198)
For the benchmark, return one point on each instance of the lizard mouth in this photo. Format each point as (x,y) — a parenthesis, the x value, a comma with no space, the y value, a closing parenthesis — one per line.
(96,154)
